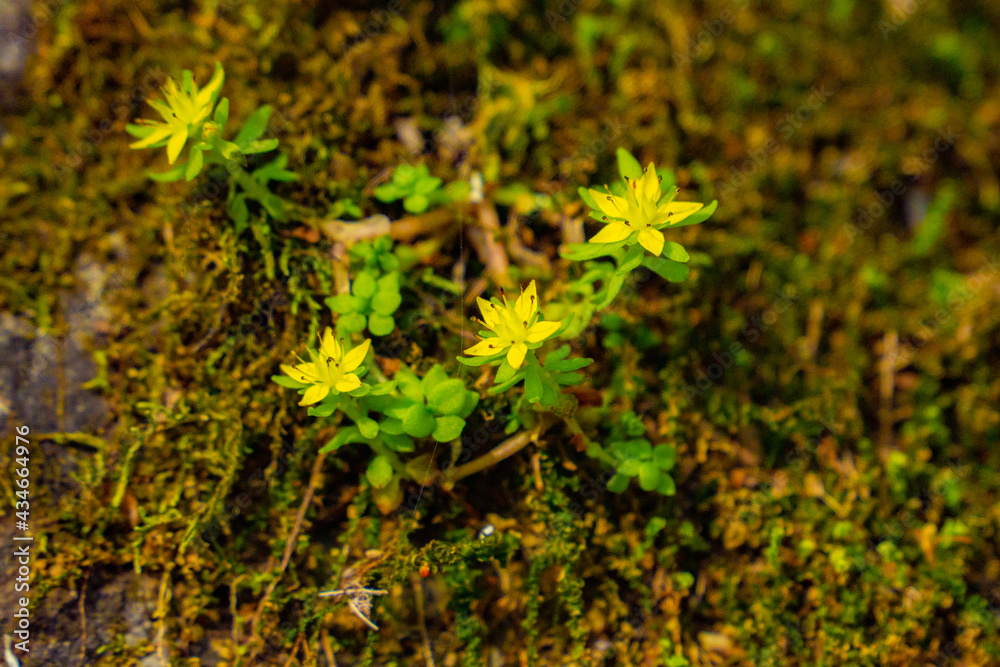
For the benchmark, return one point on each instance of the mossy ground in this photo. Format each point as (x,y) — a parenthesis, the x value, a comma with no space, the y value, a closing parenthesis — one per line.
(828,374)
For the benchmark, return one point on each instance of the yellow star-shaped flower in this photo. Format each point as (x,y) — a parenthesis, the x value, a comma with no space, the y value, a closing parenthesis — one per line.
(514,326)
(331,369)
(182,110)
(640,211)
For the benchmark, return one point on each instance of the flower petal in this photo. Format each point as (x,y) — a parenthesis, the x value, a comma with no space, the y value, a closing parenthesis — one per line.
(649,184)
(175,144)
(349,382)
(609,204)
(315,394)
(539,331)
(612,233)
(516,354)
(329,346)
(527,303)
(673,212)
(354,358)
(486,348)
(159,134)
(489,311)
(652,240)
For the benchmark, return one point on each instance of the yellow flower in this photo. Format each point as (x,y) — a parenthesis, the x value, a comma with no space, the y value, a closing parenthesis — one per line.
(331,369)
(640,211)
(184,107)
(514,326)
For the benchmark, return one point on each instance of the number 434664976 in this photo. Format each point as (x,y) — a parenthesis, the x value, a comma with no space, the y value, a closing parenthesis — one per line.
(21,453)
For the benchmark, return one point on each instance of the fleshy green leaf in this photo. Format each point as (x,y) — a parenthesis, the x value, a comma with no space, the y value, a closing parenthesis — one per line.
(448,428)
(386,302)
(628,166)
(344,436)
(286,381)
(381,325)
(667,486)
(664,456)
(419,422)
(649,476)
(416,203)
(351,322)
(675,252)
(504,373)
(254,127)
(579,252)
(363,285)
(533,388)
(222,112)
(345,303)
(447,398)
(631,260)
(618,484)
(379,471)
(383,388)
(667,269)
(196,160)
(367,427)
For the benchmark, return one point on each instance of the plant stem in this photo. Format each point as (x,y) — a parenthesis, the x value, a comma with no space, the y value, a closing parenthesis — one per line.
(505,449)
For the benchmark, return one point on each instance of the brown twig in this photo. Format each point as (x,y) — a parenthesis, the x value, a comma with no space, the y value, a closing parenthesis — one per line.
(287,556)
(484,241)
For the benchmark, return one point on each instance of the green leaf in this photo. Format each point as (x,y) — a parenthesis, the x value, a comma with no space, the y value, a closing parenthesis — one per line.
(610,291)
(649,476)
(579,252)
(139,131)
(260,146)
(221,116)
(448,428)
(349,323)
(667,486)
(664,456)
(344,436)
(629,467)
(419,422)
(322,410)
(631,260)
(379,471)
(169,176)
(381,325)
(238,212)
(667,269)
(345,303)
(288,382)
(196,160)
(416,203)
(638,449)
(391,426)
(362,390)
(570,378)
(435,376)
(471,400)
(364,285)
(386,302)
(399,442)
(425,186)
(387,192)
(587,198)
(628,166)
(699,216)
(479,361)
(504,373)
(383,388)
(533,388)
(618,484)
(254,127)
(447,398)
(367,427)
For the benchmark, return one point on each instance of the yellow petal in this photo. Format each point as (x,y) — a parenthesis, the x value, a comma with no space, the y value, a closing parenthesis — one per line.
(205,94)
(539,331)
(349,382)
(354,358)
(652,240)
(516,354)
(315,394)
(612,232)
(609,204)
(527,303)
(159,134)
(175,145)
(330,347)
(649,184)
(486,348)
(489,312)
(673,212)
